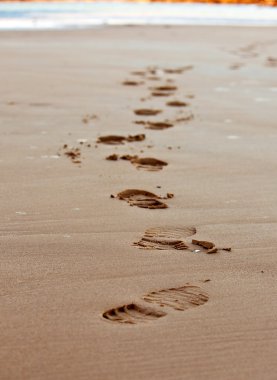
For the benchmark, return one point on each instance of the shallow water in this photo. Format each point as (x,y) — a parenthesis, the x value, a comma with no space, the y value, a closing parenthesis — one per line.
(20,16)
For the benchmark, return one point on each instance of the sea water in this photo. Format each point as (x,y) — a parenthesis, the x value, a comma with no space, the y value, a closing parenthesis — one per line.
(28,16)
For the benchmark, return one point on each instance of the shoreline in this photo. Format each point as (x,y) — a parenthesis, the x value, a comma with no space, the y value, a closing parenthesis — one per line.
(85,30)
(269,3)
(47,16)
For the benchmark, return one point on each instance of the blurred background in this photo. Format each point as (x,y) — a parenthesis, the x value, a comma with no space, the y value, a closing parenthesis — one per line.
(27,15)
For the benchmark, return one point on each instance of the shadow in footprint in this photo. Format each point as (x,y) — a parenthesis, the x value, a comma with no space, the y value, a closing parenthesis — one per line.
(205,247)
(164,88)
(177,103)
(178,70)
(145,163)
(147,112)
(160,125)
(132,314)
(148,163)
(178,298)
(117,140)
(154,125)
(143,199)
(132,83)
(184,119)
(160,93)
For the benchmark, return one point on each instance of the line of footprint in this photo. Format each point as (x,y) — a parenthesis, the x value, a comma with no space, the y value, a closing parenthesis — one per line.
(158,238)
(137,197)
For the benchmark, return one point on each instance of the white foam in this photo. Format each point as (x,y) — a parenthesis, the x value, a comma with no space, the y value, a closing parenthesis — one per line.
(24,16)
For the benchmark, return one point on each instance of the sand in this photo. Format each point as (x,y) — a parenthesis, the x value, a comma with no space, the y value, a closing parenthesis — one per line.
(80,299)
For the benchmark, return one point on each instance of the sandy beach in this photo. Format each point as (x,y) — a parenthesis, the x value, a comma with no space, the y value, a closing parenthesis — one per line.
(94,289)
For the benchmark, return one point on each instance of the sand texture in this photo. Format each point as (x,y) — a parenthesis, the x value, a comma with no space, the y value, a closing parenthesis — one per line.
(138,234)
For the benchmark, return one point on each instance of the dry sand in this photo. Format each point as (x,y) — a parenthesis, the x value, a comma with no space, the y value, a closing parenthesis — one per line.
(68,257)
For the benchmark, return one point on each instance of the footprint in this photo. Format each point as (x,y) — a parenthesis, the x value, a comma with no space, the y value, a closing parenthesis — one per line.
(157,125)
(153,70)
(140,122)
(132,314)
(235,66)
(271,62)
(182,298)
(147,112)
(160,93)
(186,118)
(164,88)
(40,104)
(139,73)
(143,199)
(111,139)
(177,103)
(148,163)
(248,51)
(115,140)
(132,83)
(165,238)
(132,138)
(73,153)
(179,70)
(11,103)
(175,238)
(87,118)
(112,157)
(153,77)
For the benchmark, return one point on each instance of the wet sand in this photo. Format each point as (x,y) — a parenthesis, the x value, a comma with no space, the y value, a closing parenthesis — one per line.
(92,288)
